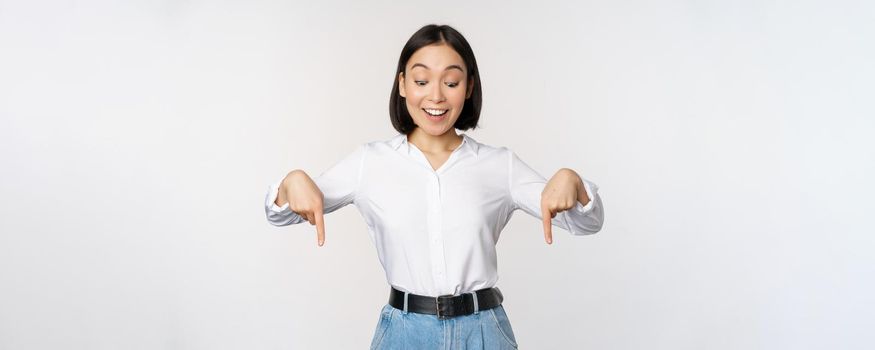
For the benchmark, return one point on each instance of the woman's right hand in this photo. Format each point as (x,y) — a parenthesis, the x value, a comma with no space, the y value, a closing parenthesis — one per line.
(304,198)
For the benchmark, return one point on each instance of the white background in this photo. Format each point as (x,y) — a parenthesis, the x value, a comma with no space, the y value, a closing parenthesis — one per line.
(731,142)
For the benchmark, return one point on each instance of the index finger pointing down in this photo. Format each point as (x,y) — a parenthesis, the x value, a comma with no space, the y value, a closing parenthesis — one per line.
(320,226)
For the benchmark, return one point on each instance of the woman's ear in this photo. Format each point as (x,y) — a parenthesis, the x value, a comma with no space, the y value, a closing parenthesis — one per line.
(470,88)
(401,85)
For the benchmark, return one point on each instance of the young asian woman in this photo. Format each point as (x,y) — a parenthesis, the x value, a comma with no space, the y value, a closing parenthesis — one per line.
(435,202)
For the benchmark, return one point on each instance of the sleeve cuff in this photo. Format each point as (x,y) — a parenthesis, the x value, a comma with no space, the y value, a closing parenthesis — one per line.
(590,189)
(270,202)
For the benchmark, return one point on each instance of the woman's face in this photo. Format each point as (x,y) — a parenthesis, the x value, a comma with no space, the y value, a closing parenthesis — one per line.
(435,88)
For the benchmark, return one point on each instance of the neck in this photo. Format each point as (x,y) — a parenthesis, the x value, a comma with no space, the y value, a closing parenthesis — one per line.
(447,142)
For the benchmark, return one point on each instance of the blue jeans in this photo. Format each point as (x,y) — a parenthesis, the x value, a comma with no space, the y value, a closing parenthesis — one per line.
(487,329)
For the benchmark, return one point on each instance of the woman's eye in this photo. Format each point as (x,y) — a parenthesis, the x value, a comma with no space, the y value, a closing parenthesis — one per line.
(423,82)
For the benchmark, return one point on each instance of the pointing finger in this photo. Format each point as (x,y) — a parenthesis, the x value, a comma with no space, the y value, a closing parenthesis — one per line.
(320,226)
(548,226)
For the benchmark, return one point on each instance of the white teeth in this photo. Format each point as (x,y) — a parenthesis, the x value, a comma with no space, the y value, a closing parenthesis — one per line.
(436,112)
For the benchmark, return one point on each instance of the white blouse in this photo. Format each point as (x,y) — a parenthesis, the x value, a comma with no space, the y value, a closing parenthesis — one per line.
(435,230)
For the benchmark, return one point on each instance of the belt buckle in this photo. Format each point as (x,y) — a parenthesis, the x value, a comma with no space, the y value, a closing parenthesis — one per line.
(437,301)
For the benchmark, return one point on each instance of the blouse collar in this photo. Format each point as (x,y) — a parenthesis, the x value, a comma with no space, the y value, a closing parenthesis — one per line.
(468,143)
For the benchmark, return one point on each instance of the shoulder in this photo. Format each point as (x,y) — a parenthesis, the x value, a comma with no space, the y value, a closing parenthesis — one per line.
(487,150)
(391,142)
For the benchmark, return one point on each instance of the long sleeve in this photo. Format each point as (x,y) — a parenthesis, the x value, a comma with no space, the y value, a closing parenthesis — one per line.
(526,186)
(338,185)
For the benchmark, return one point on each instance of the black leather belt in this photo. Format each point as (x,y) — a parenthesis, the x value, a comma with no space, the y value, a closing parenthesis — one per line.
(447,306)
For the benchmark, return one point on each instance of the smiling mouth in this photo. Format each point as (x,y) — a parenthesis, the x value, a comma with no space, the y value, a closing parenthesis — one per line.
(435,112)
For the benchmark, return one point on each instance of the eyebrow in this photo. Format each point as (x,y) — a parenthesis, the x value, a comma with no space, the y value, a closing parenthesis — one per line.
(452,66)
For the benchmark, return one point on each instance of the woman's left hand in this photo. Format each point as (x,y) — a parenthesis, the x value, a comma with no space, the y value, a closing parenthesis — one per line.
(562,192)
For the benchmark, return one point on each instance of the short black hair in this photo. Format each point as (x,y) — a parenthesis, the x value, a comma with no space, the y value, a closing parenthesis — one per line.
(428,35)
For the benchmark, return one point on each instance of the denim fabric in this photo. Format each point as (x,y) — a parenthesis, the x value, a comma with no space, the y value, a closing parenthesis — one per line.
(487,329)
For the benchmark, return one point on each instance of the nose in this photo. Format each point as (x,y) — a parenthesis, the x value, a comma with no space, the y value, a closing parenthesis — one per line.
(436,94)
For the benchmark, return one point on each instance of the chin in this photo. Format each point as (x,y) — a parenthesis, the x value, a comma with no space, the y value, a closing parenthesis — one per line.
(435,130)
